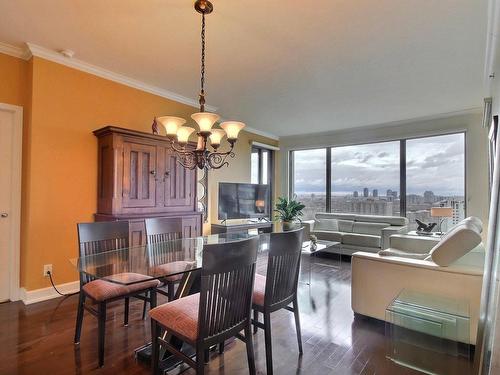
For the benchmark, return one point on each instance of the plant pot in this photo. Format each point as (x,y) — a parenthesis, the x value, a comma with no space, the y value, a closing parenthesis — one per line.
(289,225)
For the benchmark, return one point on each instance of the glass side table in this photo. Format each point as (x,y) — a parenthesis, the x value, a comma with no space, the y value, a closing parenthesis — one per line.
(308,258)
(422,330)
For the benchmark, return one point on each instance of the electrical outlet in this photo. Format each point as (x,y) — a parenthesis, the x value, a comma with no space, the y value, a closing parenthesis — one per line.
(46,269)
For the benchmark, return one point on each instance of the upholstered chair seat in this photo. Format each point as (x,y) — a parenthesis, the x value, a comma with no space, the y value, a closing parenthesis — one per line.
(102,290)
(179,316)
(173,267)
(259,290)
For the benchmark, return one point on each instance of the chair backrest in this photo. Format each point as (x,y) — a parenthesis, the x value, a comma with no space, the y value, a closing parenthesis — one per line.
(227,278)
(99,237)
(159,234)
(163,229)
(283,268)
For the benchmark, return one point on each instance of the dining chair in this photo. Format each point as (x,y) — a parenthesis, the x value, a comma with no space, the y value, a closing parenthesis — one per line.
(98,238)
(220,311)
(162,230)
(278,289)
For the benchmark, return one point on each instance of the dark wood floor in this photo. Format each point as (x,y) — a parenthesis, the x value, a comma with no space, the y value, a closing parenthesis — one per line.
(38,339)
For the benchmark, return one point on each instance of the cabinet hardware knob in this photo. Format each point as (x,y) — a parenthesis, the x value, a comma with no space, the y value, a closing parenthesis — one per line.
(167,173)
(153,173)
(4,214)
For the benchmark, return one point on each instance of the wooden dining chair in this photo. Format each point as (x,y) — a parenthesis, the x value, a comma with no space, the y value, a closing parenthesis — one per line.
(278,289)
(95,239)
(220,311)
(160,230)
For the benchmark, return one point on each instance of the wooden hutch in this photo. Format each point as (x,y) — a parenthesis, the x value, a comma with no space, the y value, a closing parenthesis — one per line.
(139,177)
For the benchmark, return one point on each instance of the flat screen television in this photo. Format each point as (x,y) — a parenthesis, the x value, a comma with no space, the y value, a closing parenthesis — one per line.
(243,201)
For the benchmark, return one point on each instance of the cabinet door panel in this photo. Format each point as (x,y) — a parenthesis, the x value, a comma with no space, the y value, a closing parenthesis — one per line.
(179,184)
(137,232)
(190,227)
(139,169)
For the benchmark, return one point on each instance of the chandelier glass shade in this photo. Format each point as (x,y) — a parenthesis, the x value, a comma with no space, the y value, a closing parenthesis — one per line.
(202,156)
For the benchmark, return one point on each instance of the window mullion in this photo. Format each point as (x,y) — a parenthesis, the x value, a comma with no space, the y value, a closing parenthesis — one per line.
(402,177)
(328,179)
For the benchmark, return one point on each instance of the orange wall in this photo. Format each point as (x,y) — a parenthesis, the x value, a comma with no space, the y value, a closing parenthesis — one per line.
(62,108)
(13,80)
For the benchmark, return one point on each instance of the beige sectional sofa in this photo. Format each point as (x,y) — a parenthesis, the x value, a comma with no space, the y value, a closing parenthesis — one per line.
(368,233)
(451,267)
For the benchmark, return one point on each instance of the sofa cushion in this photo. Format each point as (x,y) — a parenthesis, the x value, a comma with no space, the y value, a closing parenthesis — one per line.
(333,215)
(369,228)
(345,226)
(328,235)
(402,254)
(365,240)
(391,220)
(456,243)
(326,224)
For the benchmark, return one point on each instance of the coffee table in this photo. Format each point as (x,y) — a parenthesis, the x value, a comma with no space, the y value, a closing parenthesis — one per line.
(308,253)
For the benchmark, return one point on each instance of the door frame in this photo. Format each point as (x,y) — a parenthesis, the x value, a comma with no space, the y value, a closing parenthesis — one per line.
(15,214)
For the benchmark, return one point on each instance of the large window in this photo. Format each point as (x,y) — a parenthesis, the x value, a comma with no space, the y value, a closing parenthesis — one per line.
(261,169)
(365,179)
(435,176)
(261,166)
(309,180)
(401,177)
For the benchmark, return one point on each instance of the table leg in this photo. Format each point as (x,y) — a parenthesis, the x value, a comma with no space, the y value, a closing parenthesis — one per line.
(190,283)
(305,267)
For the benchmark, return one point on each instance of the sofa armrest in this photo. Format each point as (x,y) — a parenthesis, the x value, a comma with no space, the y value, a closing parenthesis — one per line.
(389,231)
(308,226)
(412,244)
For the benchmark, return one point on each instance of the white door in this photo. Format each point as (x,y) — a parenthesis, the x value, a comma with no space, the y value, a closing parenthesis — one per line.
(8,122)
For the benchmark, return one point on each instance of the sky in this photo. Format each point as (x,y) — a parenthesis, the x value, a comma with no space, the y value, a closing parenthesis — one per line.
(433,163)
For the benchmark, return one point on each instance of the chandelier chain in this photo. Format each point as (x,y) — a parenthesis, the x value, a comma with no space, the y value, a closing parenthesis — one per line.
(202,80)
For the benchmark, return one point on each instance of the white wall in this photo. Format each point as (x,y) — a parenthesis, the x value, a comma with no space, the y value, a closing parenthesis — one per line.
(476,149)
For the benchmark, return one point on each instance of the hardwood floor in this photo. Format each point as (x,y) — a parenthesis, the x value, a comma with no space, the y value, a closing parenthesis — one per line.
(38,339)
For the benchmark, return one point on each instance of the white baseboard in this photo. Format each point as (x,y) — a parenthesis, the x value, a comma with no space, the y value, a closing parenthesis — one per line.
(38,295)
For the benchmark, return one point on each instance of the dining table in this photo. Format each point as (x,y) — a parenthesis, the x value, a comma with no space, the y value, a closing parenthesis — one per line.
(159,261)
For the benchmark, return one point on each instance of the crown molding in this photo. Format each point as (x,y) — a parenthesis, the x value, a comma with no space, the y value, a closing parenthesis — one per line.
(19,52)
(48,54)
(56,57)
(263,133)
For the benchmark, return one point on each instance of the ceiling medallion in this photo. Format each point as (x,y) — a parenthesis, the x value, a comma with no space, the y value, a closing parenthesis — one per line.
(179,135)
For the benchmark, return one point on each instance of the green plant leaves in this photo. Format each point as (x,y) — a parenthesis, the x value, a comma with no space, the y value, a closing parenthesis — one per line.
(288,210)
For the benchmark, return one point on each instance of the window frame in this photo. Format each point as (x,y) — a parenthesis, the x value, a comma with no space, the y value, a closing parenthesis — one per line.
(402,167)
(270,169)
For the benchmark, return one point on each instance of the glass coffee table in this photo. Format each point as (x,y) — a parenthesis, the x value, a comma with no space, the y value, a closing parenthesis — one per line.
(309,257)
(423,329)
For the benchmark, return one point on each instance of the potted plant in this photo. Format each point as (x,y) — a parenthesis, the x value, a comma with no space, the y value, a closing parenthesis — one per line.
(288,212)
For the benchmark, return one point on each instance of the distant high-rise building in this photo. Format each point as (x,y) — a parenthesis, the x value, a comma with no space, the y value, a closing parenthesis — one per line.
(365,192)
(389,193)
(375,193)
(355,194)
(458,207)
(429,197)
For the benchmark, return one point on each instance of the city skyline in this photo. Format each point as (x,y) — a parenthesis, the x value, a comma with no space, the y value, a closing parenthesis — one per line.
(434,163)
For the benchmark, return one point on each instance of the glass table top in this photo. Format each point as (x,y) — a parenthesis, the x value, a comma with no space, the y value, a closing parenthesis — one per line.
(154,261)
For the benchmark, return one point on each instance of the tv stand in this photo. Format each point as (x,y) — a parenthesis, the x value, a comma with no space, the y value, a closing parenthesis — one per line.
(225,227)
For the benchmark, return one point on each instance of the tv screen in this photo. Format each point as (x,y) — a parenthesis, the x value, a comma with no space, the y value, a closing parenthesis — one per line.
(243,201)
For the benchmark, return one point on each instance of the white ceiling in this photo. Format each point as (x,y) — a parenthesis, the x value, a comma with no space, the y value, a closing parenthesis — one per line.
(285,67)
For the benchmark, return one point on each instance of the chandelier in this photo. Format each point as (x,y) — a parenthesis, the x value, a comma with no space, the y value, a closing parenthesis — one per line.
(178,134)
